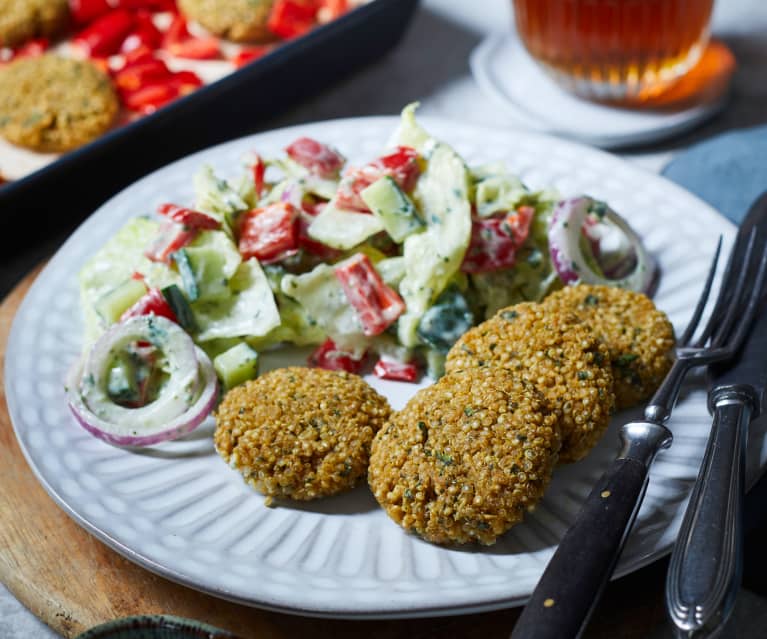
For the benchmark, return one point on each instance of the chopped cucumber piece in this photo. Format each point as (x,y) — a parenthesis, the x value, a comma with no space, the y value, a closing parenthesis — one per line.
(395,209)
(181,308)
(188,278)
(343,229)
(207,265)
(113,304)
(236,365)
(449,318)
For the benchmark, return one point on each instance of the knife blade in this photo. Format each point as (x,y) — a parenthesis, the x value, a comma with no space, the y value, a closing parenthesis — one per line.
(706,564)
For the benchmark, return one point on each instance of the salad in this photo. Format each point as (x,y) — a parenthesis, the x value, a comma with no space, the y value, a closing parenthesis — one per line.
(385,264)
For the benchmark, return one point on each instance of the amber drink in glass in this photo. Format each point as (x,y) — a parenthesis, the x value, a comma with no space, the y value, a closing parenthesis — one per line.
(615,50)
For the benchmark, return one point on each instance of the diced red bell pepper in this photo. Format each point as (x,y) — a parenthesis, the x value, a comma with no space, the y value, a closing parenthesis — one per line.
(330,357)
(377,305)
(329,10)
(495,241)
(311,207)
(291,18)
(139,74)
(259,170)
(518,223)
(269,233)
(399,371)
(401,165)
(172,237)
(153,303)
(104,36)
(85,11)
(189,218)
(491,247)
(310,245)
(247,55)
(320,159)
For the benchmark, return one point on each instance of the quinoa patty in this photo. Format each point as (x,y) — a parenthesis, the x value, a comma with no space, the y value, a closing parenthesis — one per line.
(238,20)
(55,104)
(466,457)
(22,20)
(639,336)
(299,432)
(559,355)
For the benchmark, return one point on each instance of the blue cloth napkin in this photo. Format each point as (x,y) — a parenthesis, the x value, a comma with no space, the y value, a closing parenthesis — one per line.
(728,171)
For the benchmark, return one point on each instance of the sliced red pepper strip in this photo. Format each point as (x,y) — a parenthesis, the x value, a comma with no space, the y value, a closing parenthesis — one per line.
(320,159)
(330,357)
(399,371)
(139,74)
(85,11)
(269,233)
(291,18)
(104,36)
(189,218)
(149,98)
(144,34)
(377,305)
(195,48)
(172,237)
(32,48)
(153,303)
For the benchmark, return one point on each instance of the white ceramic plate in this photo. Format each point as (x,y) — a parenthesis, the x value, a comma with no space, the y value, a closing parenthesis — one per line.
(507,74)
(181,512)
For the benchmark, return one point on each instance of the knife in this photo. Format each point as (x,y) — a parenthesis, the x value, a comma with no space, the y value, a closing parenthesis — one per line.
(705,570)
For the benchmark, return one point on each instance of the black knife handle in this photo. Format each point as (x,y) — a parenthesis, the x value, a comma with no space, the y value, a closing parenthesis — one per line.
(706,565)
(584,560)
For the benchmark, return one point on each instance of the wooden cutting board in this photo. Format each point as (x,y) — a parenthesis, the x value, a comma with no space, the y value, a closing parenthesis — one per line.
(72,581)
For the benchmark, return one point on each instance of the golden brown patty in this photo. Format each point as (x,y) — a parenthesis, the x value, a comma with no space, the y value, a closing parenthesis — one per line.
(466,457)
(21,20)
(298,432)
(54,104)
(238,20)
(639,336)
(559,355)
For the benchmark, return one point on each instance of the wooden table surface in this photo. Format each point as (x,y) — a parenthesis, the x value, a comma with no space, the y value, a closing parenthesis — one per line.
(72,581)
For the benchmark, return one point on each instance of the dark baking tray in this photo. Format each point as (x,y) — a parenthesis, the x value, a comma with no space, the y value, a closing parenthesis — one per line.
(57,197)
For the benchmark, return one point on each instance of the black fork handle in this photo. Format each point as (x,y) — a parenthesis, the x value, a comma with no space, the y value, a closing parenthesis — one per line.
(574,579)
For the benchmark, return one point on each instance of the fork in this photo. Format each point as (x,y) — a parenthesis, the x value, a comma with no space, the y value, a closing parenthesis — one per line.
(575,576)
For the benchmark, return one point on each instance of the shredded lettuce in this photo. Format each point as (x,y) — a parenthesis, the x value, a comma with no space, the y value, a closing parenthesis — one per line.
(249,311)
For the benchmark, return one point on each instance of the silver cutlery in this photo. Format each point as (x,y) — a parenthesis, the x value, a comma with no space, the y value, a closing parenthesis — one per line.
(705,570)
(575,576)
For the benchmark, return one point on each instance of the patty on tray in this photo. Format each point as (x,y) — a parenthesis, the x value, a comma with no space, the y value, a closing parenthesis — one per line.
(55,104)
(238,20)
(559,355)
(300,432)
(465,458)
(22,20)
